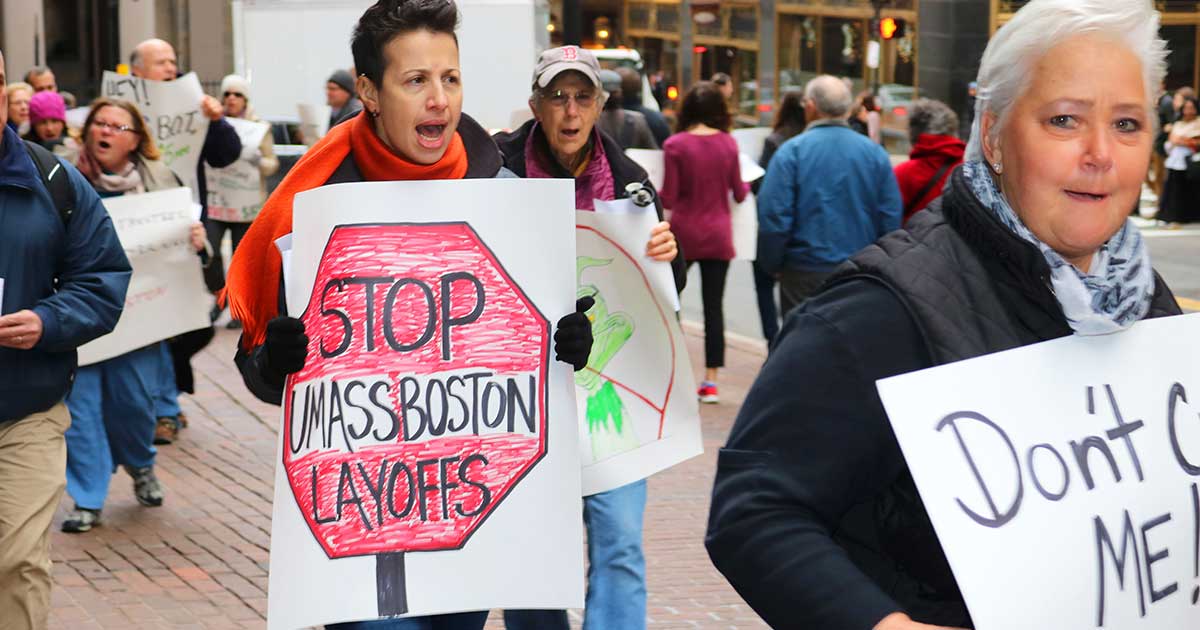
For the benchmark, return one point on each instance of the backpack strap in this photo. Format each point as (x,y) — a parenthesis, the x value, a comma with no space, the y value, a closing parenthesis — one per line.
(55,178)
(937,177)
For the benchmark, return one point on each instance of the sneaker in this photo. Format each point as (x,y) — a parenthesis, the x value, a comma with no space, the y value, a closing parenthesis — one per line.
(145,486)
(708,393)
(80,520)
(166,430)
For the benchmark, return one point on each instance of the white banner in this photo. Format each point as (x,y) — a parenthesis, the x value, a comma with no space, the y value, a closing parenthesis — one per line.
(1061,477)
(235,192)
(638,414)
(744,215)
(314,121)
(172,113)
(428,458)
(166,295)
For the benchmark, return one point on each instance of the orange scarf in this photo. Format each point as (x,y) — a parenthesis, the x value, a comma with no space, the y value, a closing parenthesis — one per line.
(252,285)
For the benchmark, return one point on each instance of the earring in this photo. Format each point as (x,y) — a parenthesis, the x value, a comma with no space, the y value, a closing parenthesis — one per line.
(998,168)
(372,113)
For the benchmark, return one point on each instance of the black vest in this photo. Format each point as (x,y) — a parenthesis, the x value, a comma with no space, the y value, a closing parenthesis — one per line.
(972,287)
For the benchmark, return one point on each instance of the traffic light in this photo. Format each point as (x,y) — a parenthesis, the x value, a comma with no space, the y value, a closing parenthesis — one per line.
(888,27)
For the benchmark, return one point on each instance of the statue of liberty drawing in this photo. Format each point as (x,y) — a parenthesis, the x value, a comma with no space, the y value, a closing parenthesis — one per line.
(608,421)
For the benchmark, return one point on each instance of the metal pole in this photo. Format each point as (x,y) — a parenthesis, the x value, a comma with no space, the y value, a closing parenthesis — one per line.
(875,37)
(572,22)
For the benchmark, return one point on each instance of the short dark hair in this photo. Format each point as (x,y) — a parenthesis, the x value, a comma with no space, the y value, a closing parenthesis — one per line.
(35,71)
(388,19)
(703,104)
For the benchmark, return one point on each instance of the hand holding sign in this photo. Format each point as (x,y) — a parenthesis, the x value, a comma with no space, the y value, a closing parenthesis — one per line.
(901,621)
(662,246)
(21,330)
(211,108)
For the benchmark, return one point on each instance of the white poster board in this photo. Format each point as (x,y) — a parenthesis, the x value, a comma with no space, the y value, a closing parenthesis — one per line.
(235,192)
(637,412)
(314,121)
(744,215)
(166,294)
(172,113)
(750,141)
(1061,477)
(518,545)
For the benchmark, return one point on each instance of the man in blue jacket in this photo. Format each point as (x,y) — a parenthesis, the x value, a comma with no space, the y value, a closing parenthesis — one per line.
(828,193)
(62,283)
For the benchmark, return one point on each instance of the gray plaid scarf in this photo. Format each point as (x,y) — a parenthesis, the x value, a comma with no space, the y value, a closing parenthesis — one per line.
(1116,291)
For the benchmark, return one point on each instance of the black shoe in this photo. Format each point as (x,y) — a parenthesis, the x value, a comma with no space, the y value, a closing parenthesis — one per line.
(233,325)
(215,313)
(80,520)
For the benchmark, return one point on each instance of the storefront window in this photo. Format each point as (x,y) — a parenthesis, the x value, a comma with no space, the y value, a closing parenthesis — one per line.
(798,50)
(842,49)
(1181,41)
(639,15)
(668,18)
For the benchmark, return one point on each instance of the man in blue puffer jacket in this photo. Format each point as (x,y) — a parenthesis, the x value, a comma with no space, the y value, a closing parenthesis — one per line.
(62,284)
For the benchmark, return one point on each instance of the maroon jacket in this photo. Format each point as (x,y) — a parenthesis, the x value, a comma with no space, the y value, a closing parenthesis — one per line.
(927,157)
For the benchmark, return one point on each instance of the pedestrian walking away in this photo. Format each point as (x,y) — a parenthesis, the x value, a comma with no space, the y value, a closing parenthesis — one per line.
(790,120)
(565,140)
(815,517)
(828,192)
(936,151)
(64,280)
(112,402)
(700,171)
(408,57)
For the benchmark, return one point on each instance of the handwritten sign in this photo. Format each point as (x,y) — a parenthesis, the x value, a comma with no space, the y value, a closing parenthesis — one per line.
(166,294)
(1062,477)
(427,456)
(637,413)
(172,113)
(235,192)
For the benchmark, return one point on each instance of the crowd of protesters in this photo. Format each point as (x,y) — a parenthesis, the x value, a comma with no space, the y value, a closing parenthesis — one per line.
(964,248)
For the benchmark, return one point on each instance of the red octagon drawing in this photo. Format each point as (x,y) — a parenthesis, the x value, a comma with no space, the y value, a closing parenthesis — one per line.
(424,400)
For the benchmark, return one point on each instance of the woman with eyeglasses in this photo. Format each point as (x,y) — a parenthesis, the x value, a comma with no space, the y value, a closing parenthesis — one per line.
(112,402)
(412,127)
(563,141)
(222,217)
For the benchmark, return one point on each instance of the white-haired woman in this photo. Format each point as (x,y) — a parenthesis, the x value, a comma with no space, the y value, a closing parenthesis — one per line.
(815,519)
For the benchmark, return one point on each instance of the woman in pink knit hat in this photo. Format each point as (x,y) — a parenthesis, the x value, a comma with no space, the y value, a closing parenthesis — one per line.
(48,125)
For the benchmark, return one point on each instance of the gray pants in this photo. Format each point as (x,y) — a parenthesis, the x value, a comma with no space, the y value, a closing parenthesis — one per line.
(795,286)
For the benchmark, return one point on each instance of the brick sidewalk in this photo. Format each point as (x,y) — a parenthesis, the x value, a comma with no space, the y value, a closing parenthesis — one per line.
(200,561)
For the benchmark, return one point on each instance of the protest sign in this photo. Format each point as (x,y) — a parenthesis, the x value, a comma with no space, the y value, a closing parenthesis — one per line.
(314,121)
(172,113)
(166,294)
(1062,477)
(428,459)
(743,216)
(637,413)
(235,192)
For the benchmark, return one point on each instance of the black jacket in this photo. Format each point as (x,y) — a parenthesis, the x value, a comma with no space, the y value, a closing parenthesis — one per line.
(658,122)
(222,147)
(625,171)
(815,519)
(483,162)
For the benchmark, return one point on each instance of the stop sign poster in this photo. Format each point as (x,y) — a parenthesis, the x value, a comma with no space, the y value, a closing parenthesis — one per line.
(638,414)
(428,449)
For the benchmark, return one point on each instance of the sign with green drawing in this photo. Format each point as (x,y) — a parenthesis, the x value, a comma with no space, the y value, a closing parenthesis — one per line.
(636,409)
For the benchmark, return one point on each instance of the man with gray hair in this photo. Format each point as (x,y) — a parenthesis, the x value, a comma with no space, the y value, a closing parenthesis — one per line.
(936,150)
(828,193)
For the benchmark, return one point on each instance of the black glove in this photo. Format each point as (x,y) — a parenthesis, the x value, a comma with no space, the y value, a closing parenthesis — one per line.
(286,347)
(573,337)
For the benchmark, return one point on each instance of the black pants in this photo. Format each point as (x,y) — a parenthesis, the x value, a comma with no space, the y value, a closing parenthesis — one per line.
(768,312)
(795,286)
(214,276)
(712,292)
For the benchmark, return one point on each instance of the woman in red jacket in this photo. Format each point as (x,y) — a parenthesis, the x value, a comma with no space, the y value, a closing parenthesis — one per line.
(936,150)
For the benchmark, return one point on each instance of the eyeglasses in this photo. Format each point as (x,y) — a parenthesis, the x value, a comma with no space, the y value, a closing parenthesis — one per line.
(560,99)
(111,127)
(237,94)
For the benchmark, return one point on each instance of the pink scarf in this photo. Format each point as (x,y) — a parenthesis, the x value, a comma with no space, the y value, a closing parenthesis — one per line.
(596,181)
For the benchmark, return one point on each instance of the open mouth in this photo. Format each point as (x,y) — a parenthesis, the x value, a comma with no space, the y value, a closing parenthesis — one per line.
(1086,196)
(570,134)
(431,135)
(104,144)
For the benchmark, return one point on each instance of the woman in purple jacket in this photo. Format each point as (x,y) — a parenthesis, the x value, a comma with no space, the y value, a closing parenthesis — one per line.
(700,171)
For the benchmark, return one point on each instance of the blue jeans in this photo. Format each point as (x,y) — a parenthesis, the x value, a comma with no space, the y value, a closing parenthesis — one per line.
(112,422)
(455,621)
(166,396)
(616,592)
